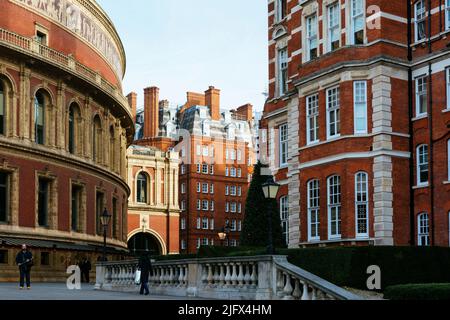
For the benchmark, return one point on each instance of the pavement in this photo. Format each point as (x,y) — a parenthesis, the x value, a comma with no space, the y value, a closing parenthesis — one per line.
(59,292)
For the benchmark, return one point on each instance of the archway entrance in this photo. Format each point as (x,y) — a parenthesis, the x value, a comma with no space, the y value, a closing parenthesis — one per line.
(144,242)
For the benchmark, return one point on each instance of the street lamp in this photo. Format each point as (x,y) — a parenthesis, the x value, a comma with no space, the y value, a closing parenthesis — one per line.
(270,189)
(104,219)
(223,233)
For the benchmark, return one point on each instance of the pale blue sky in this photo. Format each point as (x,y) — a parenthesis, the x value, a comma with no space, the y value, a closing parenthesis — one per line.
(187,45)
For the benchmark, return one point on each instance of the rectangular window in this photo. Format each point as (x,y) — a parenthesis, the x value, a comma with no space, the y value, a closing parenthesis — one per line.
(311,34)
(233,154)
(183,223)
(314,210)
(39,115)
(448,86)
(282,71)
(183,188)
(362,204)
(358,20)
(3,256)
(205,169)
(227,171)
(333,113)
(283,145)
(99,207)
(205,223)
(211,224)
(43,203)
(334,207)
(41,38)
(206,151)
(312,121)
(447,14)
(183,205)
(205,205)
(421,96)
(199,223)
(199,150)
(239,155)
(239,225)
(199,167)
(205,242)
(199,205)
(205,188)
(239,172)
(227,190)
(233,225)
(4,197)
(198,243)
(284,216)
(199,187)
(211,169)
(45,259)
(2,110)
(233,190)
(183,169)
(240,207)
(233,207)
(360,107)
(227,207)
(334,29)
(448,159)
(281,9)
(422,165)
(233,172)
(115,219)
(183,244)
(76,208)
(239,191)
(212,205)
(423,230)
(419,23)
(211,189)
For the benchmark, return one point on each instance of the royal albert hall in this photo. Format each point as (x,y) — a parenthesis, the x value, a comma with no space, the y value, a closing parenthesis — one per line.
(64,130)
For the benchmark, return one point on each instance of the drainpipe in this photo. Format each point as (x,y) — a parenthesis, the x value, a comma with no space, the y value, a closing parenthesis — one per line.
(430,129)
(411,131)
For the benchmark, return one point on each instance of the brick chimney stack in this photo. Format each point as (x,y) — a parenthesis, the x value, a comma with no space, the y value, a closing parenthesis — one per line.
(212,100)
(132,101)
(151,112)
(246,111)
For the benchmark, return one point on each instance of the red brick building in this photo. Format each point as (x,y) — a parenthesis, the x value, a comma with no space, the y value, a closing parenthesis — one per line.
(359,122)
(64,130)
(216,159)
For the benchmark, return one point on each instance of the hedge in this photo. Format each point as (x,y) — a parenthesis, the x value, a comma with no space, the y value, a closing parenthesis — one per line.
(347,266)
(418,292)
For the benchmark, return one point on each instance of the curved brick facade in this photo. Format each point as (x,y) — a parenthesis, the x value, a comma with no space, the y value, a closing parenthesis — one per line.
(64,131)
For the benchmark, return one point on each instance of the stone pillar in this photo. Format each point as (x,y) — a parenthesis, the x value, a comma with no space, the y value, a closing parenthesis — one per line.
(382,168)
(88,125)
(62,116)
(25,105)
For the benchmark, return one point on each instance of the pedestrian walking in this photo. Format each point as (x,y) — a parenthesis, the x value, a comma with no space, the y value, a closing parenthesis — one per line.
(145,265)
(24,260)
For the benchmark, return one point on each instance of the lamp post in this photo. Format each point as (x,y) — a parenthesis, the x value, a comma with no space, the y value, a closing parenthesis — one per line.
(223,233)
(270,189)
(104,219)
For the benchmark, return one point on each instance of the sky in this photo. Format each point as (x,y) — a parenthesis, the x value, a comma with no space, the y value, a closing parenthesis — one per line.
(188,45)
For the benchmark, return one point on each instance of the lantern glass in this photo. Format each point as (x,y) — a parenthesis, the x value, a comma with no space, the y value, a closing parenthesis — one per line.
(104,218)
(270,189)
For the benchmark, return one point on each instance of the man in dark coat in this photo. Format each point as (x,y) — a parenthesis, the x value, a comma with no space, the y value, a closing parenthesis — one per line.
(145,265)
(24,260)
(86,269)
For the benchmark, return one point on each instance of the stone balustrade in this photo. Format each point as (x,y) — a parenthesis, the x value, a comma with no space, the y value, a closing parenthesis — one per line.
(236,278)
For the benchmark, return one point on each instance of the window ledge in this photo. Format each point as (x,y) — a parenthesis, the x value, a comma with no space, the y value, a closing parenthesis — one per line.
(424,186)
(446,110)
(446,182)
(422,116)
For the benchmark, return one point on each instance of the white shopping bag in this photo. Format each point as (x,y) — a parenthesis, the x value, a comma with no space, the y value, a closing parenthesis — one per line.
(137,277)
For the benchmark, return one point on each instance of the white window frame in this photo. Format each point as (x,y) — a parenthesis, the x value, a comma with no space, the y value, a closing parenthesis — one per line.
(205,205)
(183,205)
(211,224)
(313,190)
(233,225)
(198,243)
(448,160)
(360,102)
(233,191)
(233,207)
(239,207)
(205,224)
(227,207)
(183,244)
(183,224)
(283,144)
(353,18)
(334,202)
(205,169)
(227,190)
(183,169)
(420,15)
(199,150)
(183,188)
(199,223)
(280,15)
(199,168)
(336,109)
(420,164)
(311,36)
(199,204)
(199,187)
(205,188)
(239,172)
(284,217)
(211,188)
(282,61)
(205,151)
(447,14)
(331,28)
(423,230)
(212,205)
(447,76)
(211,169)
(227,172)
(233,172)
(312,115)
(421,90)
(361,200)
(239,191)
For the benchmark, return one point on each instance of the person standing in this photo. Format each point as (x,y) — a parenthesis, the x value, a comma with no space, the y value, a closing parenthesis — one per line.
(86,270)
(24,260)
(145,266)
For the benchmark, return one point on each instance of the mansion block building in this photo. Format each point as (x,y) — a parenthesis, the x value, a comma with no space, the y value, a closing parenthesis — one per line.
(64,131)
(215,154)
(358,120)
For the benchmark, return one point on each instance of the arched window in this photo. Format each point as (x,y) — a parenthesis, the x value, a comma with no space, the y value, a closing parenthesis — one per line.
(142,188)
(422,165)
(314,210)
(334,207)
(284,216)
(96,139)
(362,204)
(39,117)
(423,230)
(72,133)
(2,109)
(112,153)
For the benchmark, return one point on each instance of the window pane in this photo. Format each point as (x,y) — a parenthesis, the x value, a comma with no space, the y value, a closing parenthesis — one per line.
(4,197)
(2,110)
(43,203)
